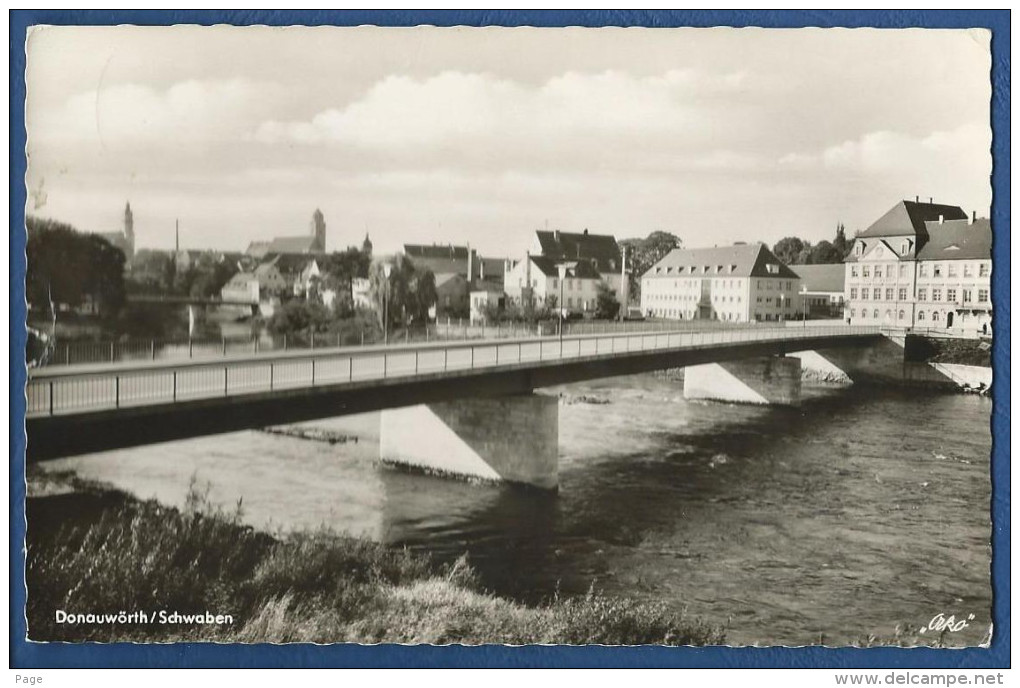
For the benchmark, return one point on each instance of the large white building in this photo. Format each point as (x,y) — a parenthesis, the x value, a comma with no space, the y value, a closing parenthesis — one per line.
(537,279)
(739,283)
(922,265)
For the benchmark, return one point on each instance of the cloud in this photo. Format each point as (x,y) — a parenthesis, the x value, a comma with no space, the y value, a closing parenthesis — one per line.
(135,117)
(884,152)
(401,112)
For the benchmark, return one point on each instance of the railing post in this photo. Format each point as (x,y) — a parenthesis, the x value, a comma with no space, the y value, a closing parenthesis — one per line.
(226,379)
(67,354)
(445,358)
(271,368)
(51,397)
(224,345)
(116,391)
(284,342)
(191,348)
(175,385)
(313,372)
(152,347)
(385,359)
(472,356)
(111,352)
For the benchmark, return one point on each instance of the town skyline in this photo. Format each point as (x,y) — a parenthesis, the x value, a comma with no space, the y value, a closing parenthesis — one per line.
(411,139)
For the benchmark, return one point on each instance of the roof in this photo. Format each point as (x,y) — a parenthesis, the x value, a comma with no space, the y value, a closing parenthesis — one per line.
(739,260)
(582,269)
(910,217)
(958,240)
(443,277)
(570,245)
(289,263)
(829,277)
(295,244)
(448,251)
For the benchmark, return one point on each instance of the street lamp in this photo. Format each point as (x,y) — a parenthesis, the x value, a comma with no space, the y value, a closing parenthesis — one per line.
(562,268)
(803,303)
(387,269)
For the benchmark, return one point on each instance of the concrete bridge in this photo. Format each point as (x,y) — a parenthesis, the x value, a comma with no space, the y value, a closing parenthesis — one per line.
(465,408)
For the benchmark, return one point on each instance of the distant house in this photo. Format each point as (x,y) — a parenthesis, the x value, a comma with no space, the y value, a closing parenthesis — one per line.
(296,270)
(739,283)
(312,243)
(444,259)
(536,280)
(361,293)
(242,287)
(451,295)
(600,250)
(484,299)
(821,290)
(924,265)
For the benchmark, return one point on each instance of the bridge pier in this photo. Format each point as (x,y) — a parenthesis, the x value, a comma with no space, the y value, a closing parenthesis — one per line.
(763,380)
(513,439)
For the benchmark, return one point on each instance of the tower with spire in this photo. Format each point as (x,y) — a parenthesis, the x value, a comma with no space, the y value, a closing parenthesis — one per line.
(129,231)
(318,232)
(366,246)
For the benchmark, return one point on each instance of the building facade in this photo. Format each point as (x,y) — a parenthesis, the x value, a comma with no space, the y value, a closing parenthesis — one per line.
(124,239)
(536,279)
(822,290)
(922,265)
(601,251)
(314,242)
(739,283)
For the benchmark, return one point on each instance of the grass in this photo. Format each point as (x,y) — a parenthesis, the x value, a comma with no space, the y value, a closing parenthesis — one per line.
(99,551)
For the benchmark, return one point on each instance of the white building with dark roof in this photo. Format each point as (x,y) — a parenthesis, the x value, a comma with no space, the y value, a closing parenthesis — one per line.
(739,283)
(537,279)
(922,265)
(600,250)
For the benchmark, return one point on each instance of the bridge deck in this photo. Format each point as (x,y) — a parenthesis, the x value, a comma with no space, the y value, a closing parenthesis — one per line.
(104,387)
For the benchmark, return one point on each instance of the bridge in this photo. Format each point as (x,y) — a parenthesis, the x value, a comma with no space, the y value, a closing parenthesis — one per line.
(174,300)
(465,397)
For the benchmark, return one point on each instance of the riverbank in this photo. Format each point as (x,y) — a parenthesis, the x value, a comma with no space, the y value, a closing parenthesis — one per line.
(158,574)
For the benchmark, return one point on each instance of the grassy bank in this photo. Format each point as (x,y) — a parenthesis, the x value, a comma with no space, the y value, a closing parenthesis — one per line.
(93,550)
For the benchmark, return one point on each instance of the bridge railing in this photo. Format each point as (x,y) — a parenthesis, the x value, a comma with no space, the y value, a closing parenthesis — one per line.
(55,391)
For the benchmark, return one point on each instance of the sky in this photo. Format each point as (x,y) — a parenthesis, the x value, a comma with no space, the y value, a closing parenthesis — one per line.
(482,136)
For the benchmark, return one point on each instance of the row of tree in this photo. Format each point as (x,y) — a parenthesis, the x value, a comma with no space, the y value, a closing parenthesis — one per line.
(796,251)
(69,268)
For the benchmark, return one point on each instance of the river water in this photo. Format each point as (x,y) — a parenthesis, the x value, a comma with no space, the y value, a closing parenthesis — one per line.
(863,510)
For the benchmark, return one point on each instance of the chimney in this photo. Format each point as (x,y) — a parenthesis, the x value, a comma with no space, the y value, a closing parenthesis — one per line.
(930,200)
(917,199)
(481,269)
(942,218)
(586,231)
(556,236)
(973,217)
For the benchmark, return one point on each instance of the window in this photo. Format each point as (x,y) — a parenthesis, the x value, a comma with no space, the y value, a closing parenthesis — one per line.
(888,314)
(936,294)
(922,270)
(864,294)
(853,271)
(951,295)
(935,316)
(789,285)
(903,269)
(936,271)
(952,270)
(853,292)
(902,294)
(875,314)
(968,295)
(920,315)
(967,270)
(888,294)
(902,315)
(983,270)
(876,294)
(865,271)
(922,294)
(982,296)
(853,313)
(860,247)
(905,246)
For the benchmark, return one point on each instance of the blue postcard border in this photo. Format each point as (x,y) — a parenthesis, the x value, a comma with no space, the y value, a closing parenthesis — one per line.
(24,654)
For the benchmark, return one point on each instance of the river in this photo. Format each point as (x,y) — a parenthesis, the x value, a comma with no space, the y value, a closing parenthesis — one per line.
(863,510)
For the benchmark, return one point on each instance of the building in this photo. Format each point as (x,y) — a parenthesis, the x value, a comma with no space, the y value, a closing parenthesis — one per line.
(312,243)
(483,300)
(361,293)
(600,250)
(124,239)
(822,289)
(242,287)
(536,280)
(739,283)
(452,299)
(922,265)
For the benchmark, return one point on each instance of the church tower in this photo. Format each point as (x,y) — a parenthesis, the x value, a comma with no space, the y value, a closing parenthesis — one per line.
(318,232)
(366,246)
(129,230)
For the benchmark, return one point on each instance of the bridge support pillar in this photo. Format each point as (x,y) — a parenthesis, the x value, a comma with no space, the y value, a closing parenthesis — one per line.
(513,439)
(765,380)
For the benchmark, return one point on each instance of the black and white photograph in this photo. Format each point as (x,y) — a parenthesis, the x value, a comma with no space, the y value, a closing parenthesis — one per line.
(509,336)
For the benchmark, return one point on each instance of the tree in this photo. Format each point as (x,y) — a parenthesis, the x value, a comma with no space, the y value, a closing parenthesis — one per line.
(824,252)
(788,249)
(66,266)
(410,292)
(644,253)
(840,243)
(607,306)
